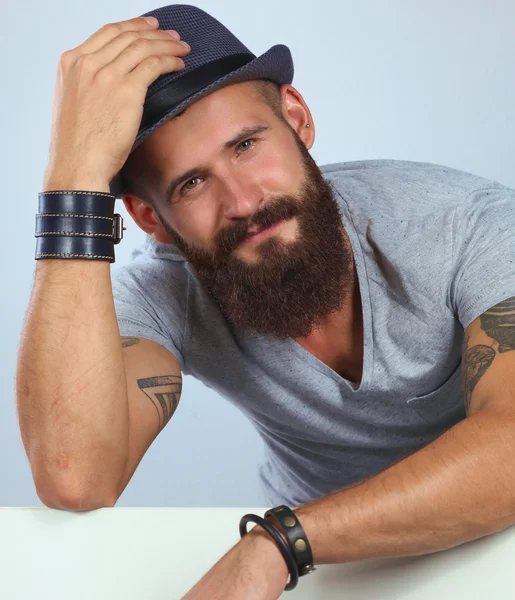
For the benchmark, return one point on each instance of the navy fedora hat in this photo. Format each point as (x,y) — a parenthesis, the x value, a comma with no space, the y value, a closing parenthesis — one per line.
(217,58)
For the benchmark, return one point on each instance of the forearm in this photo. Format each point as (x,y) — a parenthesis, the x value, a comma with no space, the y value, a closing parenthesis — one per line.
(71,386)
(458,488)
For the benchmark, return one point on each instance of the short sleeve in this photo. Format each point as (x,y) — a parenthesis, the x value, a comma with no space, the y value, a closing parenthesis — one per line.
(483,252)
(150,298)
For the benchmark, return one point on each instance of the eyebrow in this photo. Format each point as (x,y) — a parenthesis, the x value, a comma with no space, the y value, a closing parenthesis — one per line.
(202,170)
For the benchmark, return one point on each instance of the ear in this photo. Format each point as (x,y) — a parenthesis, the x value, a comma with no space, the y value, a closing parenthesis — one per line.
(146,218)
(298,115)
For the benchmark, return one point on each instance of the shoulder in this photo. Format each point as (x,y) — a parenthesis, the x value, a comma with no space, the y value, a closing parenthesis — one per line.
(155,273)
(401,188)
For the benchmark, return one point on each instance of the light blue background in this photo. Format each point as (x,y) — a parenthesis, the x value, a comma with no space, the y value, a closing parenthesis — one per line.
(404,79)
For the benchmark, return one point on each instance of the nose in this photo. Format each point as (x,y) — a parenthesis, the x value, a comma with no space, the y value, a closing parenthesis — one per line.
(242,196)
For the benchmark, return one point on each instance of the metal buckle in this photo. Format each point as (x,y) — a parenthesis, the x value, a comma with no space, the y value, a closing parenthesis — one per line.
(118,228)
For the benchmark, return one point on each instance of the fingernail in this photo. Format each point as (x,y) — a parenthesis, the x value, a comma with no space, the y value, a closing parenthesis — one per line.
(174,34)
(151,20)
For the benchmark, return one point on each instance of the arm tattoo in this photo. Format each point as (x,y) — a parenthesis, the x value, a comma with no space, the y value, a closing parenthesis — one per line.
(129,341)
(476,361)
(499,324)
(164,392)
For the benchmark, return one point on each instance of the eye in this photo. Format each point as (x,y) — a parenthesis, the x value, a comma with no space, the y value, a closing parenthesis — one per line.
(241,145)
(186,188)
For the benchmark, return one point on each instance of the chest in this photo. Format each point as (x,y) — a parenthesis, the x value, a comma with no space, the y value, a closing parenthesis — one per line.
(348,365)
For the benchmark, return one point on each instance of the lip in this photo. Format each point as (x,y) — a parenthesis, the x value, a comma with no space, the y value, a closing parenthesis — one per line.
(257,237)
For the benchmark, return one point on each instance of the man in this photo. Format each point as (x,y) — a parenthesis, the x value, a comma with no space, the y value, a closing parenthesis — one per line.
(360,314)
(343,346)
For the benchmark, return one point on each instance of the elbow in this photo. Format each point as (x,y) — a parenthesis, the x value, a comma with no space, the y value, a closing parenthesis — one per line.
(74,503)
(73,498)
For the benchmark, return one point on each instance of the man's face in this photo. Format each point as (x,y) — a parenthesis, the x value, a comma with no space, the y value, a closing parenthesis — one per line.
(288,279)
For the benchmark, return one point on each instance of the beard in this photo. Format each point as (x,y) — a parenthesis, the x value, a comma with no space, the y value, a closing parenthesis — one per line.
(291,287)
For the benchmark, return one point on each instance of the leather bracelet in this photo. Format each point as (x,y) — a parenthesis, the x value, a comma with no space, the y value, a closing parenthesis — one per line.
(289,524)
(279,540)
(77,224)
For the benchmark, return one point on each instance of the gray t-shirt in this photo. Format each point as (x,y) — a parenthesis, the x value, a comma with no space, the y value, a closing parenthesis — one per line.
(433,248)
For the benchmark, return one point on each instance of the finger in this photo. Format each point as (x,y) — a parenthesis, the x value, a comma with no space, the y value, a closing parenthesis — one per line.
(152,67)
(122,54)
(108,32)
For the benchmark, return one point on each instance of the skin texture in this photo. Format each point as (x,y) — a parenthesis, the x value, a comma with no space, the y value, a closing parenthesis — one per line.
(300,281)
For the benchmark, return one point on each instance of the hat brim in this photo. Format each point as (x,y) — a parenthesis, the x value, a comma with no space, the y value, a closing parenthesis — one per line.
(276,64)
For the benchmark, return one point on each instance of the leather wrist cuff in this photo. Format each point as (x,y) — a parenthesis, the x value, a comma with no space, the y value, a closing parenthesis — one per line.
(289,524)
(77,224)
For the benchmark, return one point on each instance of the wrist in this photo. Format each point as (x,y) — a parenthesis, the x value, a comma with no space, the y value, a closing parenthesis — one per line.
(266,553)
(55,181)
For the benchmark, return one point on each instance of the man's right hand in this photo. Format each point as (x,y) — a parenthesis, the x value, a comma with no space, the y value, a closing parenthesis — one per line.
(100,90)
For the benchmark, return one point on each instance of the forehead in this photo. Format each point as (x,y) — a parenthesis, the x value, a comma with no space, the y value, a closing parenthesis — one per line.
(205,126)
(224,106)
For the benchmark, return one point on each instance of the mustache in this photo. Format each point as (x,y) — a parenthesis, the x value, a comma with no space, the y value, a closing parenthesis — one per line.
(280,209)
